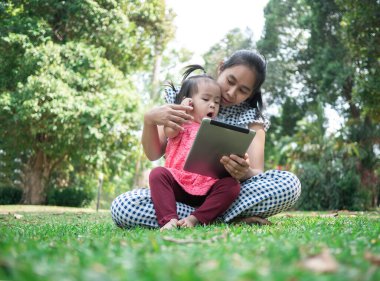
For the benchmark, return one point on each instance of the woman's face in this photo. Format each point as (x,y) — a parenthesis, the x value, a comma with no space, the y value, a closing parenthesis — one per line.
(237,84)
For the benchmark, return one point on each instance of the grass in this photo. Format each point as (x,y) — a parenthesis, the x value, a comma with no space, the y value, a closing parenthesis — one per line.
(83,245)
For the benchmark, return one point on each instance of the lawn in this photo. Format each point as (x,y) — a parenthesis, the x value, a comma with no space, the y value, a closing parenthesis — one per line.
(75,244)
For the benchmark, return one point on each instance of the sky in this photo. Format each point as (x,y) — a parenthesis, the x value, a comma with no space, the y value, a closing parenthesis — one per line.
(203,23)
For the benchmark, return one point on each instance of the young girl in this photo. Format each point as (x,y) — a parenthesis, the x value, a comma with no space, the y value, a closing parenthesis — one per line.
(171,184)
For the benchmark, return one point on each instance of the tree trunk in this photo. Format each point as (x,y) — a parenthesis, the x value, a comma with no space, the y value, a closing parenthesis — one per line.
(155,95)
(35,179)
(347,93)
(369,180)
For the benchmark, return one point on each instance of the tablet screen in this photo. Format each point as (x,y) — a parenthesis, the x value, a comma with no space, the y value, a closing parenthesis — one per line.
(214,140)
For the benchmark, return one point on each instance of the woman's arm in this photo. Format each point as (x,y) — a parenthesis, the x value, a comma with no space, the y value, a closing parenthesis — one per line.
(171,132)
(153,138)
(256,151)
(253,162)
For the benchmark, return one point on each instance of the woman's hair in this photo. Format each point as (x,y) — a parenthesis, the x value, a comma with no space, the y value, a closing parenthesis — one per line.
(189,85)
(257,64)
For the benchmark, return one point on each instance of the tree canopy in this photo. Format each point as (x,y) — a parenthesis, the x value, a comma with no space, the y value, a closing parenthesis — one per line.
(325,54)
(73,75)
(66,96)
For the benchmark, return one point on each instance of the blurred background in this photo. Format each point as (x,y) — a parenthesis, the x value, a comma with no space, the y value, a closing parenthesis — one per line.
(77,76)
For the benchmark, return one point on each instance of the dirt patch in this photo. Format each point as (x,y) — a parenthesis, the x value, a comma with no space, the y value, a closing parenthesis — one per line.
(6,209)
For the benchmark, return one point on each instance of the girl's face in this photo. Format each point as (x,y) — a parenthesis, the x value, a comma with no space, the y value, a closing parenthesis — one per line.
(237,84)
(206,101)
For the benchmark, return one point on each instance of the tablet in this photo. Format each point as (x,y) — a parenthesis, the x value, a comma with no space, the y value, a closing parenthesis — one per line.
(214,140)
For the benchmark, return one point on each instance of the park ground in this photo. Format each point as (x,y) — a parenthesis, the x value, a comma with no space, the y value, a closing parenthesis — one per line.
(55,243)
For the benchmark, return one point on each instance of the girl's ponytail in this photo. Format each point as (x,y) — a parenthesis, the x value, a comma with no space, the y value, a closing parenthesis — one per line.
(191,68)
(189,83)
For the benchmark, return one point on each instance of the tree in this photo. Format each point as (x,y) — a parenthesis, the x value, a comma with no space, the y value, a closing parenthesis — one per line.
(346,79)
(235,39)
(66,97)
(360,33)
(281,39)
(325,53)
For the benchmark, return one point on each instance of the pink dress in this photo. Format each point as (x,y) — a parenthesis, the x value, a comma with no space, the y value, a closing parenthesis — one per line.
(176,153)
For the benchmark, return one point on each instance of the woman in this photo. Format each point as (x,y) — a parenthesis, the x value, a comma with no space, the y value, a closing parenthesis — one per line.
(262,194)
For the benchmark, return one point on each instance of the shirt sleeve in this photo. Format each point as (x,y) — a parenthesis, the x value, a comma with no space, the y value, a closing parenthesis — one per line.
(170,95)
(253,115)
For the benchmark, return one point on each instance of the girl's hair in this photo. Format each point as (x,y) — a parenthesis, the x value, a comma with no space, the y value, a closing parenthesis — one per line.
(189,85)
(257,64)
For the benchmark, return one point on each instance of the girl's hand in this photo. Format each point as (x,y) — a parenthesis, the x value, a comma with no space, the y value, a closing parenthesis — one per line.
(169,115)
(187,101)
(236,166)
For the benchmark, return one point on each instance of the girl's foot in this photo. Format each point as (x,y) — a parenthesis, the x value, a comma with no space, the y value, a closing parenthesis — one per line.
(189,221)
(172,224)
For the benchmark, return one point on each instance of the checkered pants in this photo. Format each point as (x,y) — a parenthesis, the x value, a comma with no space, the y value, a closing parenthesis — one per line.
(264,195)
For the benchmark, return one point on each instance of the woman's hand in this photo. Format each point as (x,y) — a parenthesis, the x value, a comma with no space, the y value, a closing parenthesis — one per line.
(169,115)
(153,138)
(236,166)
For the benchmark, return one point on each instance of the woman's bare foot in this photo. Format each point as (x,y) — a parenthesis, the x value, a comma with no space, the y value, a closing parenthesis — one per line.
(189,221)
(172,224)
(252,220)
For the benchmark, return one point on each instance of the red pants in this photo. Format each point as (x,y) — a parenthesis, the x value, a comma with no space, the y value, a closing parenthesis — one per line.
(165,192)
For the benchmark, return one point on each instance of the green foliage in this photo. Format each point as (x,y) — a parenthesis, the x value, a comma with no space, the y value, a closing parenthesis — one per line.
(127,30)
(73,97)
(72,197)
(83,246)
(280,137)
(66,88)
(331,184)
(235,39)
(361,36)
(324,54)
(326,166)
(10,195)
(282,38)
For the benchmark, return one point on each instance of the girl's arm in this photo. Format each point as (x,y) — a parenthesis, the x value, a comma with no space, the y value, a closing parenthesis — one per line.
(253,162)
(153,138)
(170,132)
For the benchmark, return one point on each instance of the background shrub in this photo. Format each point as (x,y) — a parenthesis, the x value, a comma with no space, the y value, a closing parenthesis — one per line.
(10,195)
(331,187)
(71,197)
